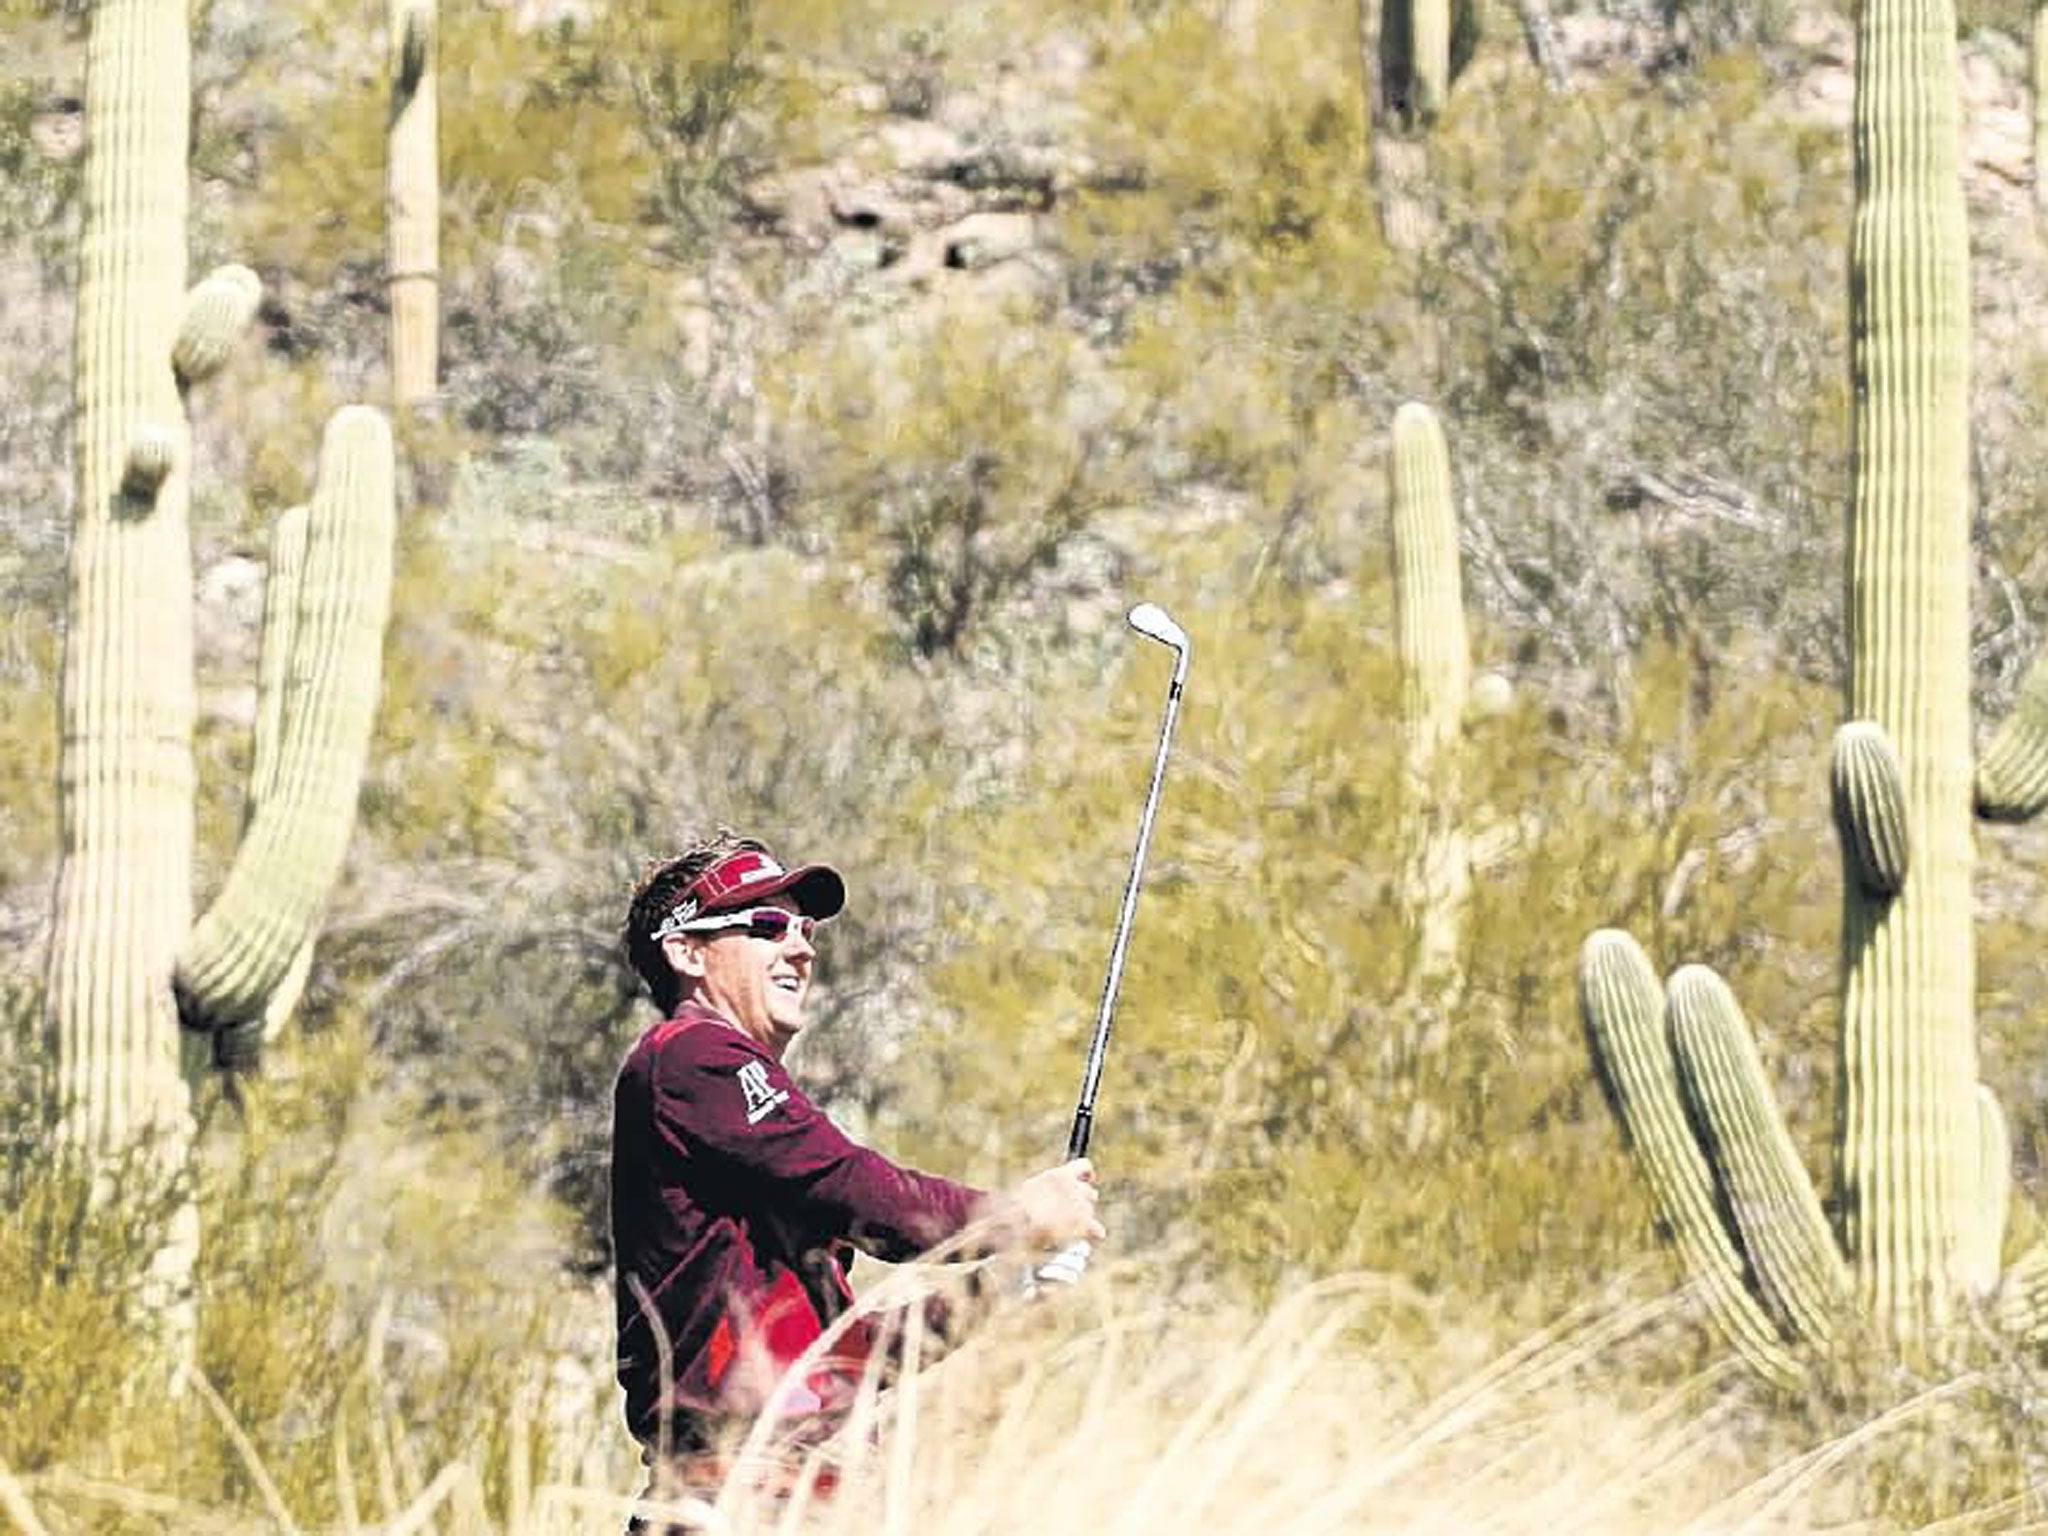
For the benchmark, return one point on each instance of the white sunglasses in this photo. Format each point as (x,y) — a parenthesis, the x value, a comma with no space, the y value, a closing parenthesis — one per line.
(771,923)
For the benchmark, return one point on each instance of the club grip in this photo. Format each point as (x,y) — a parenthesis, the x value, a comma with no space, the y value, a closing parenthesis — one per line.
(1077,1139)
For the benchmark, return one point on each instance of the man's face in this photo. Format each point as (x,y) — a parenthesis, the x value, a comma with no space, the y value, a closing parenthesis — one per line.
(759,984)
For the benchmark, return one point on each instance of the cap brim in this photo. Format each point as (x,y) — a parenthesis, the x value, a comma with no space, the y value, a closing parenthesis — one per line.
(816,889)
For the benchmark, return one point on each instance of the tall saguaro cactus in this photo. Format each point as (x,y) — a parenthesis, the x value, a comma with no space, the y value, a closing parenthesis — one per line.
(124,898)
(413,205)
(1909,1044)
(1921,1155)
(126,967)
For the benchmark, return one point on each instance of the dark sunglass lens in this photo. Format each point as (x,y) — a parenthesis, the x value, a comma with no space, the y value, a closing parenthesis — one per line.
(774,924)
(770,923)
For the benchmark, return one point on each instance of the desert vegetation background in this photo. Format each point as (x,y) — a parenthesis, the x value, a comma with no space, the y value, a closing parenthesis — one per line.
(820,382)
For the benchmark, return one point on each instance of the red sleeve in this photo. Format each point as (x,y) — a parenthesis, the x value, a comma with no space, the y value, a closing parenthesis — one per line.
(718,1093)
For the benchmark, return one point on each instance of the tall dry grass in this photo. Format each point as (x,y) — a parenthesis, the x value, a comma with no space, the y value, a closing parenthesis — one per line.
(1110,1410)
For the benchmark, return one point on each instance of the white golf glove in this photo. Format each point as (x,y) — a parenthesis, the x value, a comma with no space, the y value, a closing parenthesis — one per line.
(1065,1267)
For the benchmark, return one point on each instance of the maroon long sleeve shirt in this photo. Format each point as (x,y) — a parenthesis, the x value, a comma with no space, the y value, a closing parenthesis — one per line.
(736,1205)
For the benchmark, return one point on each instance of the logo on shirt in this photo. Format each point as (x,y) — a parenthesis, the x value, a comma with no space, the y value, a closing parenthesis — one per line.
(762,1095)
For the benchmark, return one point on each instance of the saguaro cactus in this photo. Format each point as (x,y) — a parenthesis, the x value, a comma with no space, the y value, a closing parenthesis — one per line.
(1405,64)
(125,786)
(1921,1157)
(124,898)
(1429,595)
(1430,638)
(413,205)
(1415,60)
(1909,1042)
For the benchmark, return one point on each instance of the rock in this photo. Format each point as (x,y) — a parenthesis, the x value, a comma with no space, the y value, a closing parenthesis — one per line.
(1492,696)
(227,617)
(983,239)
(871,205)
(798,203)
(922,148)
(530,16)
(1010,284)
(230,592)
(57,128)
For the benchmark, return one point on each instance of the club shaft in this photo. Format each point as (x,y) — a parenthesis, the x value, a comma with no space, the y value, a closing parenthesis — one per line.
(1098,1047)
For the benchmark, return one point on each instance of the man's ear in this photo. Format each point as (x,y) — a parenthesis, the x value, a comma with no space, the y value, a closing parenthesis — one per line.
(684,957)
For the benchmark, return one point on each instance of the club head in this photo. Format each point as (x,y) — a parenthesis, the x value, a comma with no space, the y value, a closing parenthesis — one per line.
(1152,621)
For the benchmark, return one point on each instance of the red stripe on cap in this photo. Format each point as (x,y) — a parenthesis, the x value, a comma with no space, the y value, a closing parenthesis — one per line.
(731,875)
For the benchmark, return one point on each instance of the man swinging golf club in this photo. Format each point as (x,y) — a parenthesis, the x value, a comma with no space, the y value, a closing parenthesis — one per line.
(736,1204)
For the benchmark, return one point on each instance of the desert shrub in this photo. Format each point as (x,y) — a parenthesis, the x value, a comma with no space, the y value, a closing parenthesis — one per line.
(365,1266)
(959,454)
(1653,405)
(75,1325)
(1215,156)
(29,666)
(371,1293)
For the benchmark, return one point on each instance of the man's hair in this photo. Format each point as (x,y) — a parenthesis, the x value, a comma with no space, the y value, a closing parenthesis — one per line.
(661,886)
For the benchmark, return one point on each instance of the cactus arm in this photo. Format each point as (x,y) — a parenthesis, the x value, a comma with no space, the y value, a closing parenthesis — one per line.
(246,945)
(218,312)
(1623,1010)
(1868,792)
(1429,601)
(1800,1273)
(282,593)
(2012,776)
(1994,1158)
(1907,1164)
(152,453)
(125,781)
(239,1047)
(413,205)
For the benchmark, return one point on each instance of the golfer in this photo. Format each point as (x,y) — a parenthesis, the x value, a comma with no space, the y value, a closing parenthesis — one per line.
(736,1204)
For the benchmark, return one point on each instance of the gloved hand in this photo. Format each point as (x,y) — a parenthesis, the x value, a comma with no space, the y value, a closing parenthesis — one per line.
(1064,1268)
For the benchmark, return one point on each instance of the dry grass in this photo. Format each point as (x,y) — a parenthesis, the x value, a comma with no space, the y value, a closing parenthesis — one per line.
(1106,1410)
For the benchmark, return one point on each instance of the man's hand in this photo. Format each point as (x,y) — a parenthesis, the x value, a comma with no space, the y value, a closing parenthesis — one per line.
(1057,1207)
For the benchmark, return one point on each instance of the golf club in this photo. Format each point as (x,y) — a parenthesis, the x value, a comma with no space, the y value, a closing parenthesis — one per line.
(1153,622)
